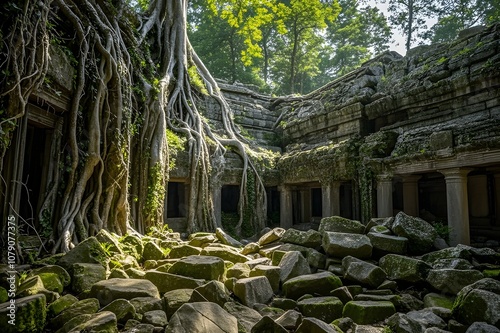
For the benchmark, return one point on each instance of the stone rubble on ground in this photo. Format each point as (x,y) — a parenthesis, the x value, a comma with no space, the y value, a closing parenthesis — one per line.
(387,276)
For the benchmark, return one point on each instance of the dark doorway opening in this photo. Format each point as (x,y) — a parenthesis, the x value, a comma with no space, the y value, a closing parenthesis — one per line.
(35,154)
(316,202)
(176,200)
(345,192)
(273,207)
(230,196)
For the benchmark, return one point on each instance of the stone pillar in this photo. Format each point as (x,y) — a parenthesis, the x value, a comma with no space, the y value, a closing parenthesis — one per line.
(305,203)
(410,195)
(497,198)
(457,205)
(217,201)
(286,213)
(331,199)
(384,195)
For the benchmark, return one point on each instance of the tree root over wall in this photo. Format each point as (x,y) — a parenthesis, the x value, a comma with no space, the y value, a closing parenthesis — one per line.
(133,80)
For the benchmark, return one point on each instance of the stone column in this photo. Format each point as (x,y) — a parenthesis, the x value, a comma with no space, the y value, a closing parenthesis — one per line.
(305,203)
(457,205)
(410,195)
(217,201)
(384,195)
(286,213)
(331,199)
(497,198)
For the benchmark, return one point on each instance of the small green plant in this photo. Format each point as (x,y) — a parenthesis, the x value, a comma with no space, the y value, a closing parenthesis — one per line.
(107,248)
(196,80)
(442,229)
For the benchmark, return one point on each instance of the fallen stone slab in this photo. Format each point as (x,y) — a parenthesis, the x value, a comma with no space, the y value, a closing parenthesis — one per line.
(363,272)
(166,282)
(368,312)
(108,290)
(314,325)
(247,317)
(199,267)
(326,308)
(202,317)
(339,245)
(293,264)
(310,238)
(253,290)
(319,283)
(340,224)
(420,234)
(402,268)
(451,281)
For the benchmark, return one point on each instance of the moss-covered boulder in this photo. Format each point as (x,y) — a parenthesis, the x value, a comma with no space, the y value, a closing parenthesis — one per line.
(86,306)
(145,304)
(253,290)
(320,284)
(272,273)
(60,305)
(89,251)
(438,300)
(404,268)
(109,241)
(451,281)
(108,290)
(293,264)
(383,243)
(213,291)
(133,245)
(31,286)
(83,276)
(479,302)
(52,282)
(27,314)
(183,250)
(152,251)
(239,270)
(368,312)
(167,282)
(174,299)
(63,274)
(122,308)
(102,322)
(224,238)
(447,253)
(202,317)
(340,224)
(339,245)
(420,234)
(199,267)
(326,308)
(271,236)
(310,238)
(225,253)
(246,317)
(363,272)
(157,318)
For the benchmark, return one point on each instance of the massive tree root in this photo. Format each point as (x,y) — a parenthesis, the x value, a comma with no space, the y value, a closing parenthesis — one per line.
(134,79)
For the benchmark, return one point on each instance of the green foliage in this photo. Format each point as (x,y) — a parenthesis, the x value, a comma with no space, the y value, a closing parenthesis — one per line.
(442,229)
(156,189)
(46,223)
(159,231)
(175,144)
(196,80)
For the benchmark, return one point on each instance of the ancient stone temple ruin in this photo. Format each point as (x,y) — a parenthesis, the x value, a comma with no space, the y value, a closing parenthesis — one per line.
(419,134)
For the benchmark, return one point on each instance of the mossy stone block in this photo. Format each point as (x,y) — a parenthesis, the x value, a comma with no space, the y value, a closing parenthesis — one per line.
(30,314)
(368,312)
(60,304)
